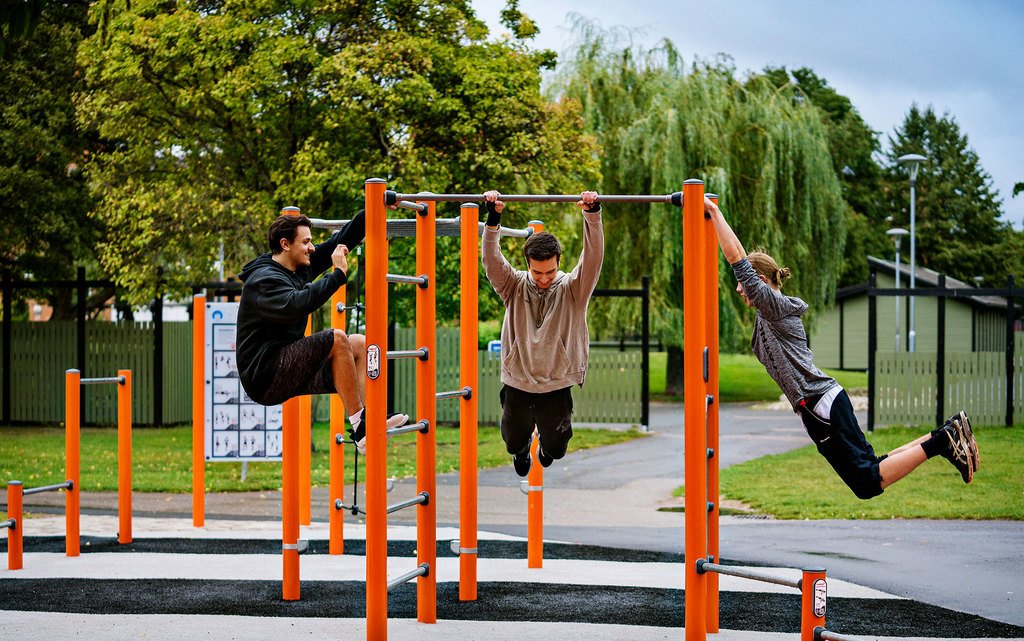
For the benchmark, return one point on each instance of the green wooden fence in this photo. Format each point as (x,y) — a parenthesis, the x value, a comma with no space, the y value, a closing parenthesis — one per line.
(42,352)
(905,386)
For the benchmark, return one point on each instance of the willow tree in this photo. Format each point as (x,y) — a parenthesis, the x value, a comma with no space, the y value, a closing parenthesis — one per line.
(764,152)
(226,111)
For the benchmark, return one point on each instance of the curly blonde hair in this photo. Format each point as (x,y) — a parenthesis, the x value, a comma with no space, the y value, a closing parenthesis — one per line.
(766,266)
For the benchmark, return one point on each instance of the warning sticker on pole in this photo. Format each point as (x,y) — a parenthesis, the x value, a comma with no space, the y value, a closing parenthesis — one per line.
(373,362)
(237,427)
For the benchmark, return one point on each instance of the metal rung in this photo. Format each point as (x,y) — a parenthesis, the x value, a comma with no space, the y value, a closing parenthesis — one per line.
(408,204)
(458,550)
(299,546)
(422,570)
(420,280)
(821,634)
(9,523)
(70,485)
(703,566)
(422,497)
(466,392)
(340,505)
(422,353)
(422,426)
(406,227)
(526,488)
(668,199)
(341,307)
(120,380)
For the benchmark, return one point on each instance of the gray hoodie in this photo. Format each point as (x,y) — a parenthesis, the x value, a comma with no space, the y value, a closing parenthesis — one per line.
(545,344)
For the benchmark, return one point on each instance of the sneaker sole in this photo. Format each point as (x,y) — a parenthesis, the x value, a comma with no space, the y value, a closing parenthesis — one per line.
(962,451)
(972,444)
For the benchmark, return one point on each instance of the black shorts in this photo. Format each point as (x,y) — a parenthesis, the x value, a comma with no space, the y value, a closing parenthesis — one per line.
(303,368)
(842,443)
(550,413)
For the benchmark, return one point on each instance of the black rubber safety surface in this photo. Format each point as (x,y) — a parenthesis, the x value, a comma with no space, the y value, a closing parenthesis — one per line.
(496,601)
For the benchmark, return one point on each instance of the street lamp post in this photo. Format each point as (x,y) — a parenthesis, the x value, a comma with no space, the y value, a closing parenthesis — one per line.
(897,234)
(913,163)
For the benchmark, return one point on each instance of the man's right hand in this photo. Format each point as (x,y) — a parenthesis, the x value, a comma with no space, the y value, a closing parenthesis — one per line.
(494,208)
(339,258)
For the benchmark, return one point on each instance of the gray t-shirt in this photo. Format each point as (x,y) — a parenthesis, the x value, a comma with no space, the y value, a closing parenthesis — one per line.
(780,341)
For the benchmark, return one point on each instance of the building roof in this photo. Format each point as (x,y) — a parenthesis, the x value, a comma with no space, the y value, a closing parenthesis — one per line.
(924,279)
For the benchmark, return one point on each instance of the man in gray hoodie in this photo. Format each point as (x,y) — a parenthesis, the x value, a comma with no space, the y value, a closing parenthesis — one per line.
(545,343)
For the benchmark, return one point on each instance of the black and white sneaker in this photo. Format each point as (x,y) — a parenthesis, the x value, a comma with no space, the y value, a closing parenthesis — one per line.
(357,433)
(956,451)
(542,456)
(968,434)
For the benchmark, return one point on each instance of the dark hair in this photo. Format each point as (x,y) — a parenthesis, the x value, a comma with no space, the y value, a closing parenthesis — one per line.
(285,228)
(542,246)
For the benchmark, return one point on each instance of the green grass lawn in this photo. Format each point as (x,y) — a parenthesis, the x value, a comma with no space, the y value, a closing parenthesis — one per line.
(801,485)
(162,458)
(742,378)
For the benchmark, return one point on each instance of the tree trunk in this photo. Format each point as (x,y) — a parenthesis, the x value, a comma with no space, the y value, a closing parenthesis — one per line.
(674,371)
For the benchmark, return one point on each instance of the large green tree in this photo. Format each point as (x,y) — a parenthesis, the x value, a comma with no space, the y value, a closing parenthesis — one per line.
(227,111)
(957,212)
(660,122)
(44,200)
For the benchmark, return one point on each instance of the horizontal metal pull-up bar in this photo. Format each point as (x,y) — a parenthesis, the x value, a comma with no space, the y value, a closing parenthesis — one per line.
(675,199)
(422,427)
(704,565)
(99,381)
(66,485)
(821,634)
(406,227)
(465,392)
(422,570)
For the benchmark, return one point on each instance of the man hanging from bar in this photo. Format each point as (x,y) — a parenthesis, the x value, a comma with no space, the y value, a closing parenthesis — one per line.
(276,361)
(545,344)
(780,343)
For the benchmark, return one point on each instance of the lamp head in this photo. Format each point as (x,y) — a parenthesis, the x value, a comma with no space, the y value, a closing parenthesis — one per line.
(897,233)
(913,162)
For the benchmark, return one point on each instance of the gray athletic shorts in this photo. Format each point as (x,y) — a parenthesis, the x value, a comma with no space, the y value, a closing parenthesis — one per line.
(303,368)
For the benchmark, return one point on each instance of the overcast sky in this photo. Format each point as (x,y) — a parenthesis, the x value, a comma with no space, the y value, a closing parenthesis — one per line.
(961,57)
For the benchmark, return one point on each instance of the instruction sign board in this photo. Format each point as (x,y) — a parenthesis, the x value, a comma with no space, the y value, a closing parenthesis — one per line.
(237,427)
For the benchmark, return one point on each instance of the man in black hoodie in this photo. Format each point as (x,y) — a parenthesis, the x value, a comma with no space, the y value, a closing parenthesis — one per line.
(276,361)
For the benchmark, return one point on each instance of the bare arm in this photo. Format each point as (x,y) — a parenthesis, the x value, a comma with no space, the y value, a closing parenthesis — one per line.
(731,245)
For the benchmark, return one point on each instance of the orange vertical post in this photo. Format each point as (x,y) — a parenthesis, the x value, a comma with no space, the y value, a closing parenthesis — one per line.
(469,330)
(813,598)
(72,452)
(290,499)
(376,411)
(535,510)
(711,331)
(198,410)
(535,488)
(426,409)
(124,457)
(15,533)
(336,518)
(694,403)
(305,450)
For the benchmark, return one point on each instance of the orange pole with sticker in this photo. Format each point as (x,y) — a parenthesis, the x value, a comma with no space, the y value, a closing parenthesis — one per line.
(198,410)
(535,489)
(72,452)
(376,411)
(711,332)
(124,456)
(336,520)
(694,404)
(290,499)
(813,598)
(426,410)
(468,377)
(15,532)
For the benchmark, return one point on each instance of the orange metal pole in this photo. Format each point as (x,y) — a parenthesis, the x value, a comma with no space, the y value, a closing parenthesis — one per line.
(468,376)
(15,533)
(305,450)
(290,499)
(813,598)
(426,409)
(711,330)
(376,412)
(124,457)
(198,410)
(535,510)
(695,439)
(72,452)
(535,489)
(336,518)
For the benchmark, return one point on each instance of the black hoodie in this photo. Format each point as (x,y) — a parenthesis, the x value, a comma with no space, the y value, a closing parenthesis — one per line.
(276,302)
